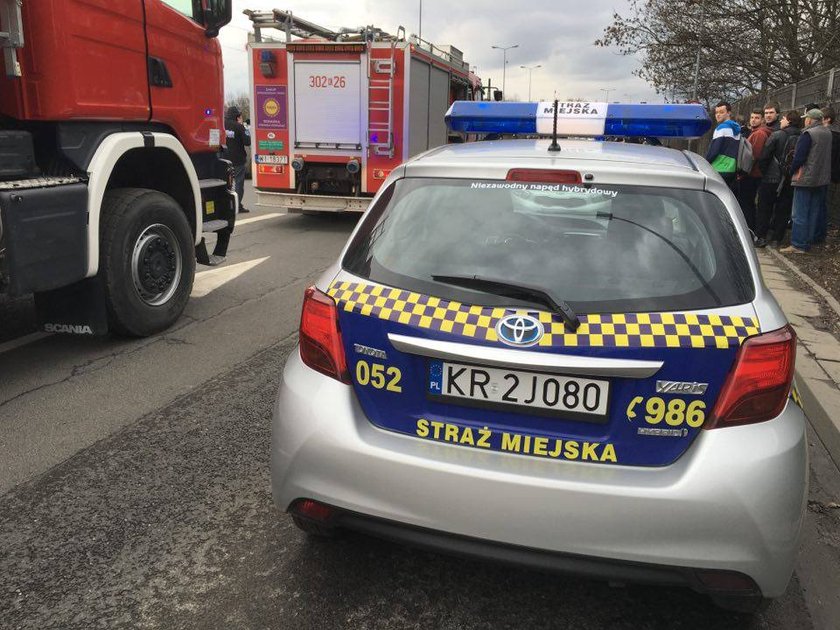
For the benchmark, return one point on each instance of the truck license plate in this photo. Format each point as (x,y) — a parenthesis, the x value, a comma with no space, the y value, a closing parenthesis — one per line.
(272,159)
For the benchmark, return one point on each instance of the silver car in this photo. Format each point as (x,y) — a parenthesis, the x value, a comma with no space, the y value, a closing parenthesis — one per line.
(561,359)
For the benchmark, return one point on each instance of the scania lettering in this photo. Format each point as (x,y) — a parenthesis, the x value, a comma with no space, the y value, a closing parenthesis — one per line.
(110,170)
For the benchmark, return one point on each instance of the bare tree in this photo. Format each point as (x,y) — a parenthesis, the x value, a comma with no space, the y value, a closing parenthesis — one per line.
(745,46)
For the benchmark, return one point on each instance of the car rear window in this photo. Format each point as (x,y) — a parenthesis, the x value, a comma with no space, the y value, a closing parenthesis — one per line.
(599,248)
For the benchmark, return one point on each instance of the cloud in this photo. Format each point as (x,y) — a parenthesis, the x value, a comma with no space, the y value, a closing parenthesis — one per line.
(556,34)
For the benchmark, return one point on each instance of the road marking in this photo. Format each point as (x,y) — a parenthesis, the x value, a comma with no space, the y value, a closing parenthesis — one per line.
(22,341)
(208,281)
(261,217)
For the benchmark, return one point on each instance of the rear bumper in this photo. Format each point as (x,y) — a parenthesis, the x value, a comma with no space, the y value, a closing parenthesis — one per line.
(735,502)
(730,589)
(295,203)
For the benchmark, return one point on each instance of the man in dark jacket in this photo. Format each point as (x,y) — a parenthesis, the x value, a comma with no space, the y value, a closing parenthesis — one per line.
(775,195)
(822,219)
(237,139)
(811,176)
(828,121)
(771,116)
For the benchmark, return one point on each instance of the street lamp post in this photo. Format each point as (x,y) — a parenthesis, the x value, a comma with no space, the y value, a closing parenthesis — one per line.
(606,92)
(530,69)
(504,50)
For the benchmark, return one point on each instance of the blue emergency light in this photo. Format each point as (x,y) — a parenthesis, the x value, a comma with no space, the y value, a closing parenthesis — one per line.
(580,119)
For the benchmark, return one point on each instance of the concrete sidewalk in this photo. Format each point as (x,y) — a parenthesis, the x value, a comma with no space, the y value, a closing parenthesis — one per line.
(818,351)
(818,382)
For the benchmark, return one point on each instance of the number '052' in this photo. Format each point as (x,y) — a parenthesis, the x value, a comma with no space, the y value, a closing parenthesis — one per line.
(378,376)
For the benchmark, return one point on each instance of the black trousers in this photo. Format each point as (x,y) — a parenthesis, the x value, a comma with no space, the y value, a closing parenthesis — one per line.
(731,180)
(747,191)
(781,214)
(767,197)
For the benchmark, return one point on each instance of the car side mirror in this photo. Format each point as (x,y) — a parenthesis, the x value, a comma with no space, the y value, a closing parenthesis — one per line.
(217,13)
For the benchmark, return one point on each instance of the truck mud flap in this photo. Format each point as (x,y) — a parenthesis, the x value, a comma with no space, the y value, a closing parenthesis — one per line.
(78,309)
(45,236)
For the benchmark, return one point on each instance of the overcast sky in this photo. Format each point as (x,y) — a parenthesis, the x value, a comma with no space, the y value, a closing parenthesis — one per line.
(556,34)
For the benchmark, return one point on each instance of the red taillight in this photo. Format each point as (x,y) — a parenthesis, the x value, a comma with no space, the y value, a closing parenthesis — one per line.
(758,386)
(543,176)
(320,339)
(315,510)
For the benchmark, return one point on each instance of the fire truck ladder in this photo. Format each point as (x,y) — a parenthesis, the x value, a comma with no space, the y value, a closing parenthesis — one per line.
(381,99)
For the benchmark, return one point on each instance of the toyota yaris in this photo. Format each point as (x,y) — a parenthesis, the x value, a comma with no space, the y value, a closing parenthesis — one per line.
(561,358)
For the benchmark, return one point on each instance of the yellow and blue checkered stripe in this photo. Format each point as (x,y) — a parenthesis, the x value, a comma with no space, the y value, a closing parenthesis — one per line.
(621,330)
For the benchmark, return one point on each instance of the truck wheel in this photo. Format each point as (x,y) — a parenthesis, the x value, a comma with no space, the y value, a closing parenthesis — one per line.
(146,260)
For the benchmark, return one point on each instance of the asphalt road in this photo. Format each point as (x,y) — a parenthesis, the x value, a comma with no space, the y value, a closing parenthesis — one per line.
(134,488)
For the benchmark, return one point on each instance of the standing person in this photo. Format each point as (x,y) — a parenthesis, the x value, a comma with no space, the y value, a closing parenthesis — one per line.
(749,183)
(828,121)
(775,195)
(237,139)
(723,151)
(771,116)
(811,175)
(822,220)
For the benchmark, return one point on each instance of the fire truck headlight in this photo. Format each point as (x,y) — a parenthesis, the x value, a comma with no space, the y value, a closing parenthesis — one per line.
(297,164)
(353,167)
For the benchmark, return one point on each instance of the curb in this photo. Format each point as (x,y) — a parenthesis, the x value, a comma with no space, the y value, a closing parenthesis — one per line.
(820,418)
(834,304)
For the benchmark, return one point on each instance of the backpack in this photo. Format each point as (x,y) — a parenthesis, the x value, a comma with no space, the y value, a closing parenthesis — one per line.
(786,163)
(745,156)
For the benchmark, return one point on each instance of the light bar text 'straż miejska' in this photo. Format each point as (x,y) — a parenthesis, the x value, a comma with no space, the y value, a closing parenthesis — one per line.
(583,119)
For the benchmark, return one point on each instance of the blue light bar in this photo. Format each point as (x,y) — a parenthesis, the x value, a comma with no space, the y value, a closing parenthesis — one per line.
(580,119)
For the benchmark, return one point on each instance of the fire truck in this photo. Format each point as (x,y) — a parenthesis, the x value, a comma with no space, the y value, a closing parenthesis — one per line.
(333,112)
(111,125)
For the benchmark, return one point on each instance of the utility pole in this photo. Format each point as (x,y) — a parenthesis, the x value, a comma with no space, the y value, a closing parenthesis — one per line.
(530,69)
(699,48)
(504,50)
(420,27)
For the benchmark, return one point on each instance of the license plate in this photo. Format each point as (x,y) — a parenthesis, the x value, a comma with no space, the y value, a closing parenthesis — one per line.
(536,391)
(272,159)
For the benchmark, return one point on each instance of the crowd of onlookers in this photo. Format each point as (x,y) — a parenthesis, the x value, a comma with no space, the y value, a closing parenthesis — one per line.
(779,166)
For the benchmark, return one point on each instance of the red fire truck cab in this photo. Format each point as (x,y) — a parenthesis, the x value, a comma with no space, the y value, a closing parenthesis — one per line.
(111,123)
(333,112)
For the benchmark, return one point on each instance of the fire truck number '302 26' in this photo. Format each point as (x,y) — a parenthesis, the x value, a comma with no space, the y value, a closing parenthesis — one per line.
(321,81)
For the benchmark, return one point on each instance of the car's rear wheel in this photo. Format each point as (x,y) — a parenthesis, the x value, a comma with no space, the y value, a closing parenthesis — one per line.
(311,528)
(749,604)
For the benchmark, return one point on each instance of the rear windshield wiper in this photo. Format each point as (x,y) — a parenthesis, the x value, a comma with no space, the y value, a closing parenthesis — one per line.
(704,283)
(524,292)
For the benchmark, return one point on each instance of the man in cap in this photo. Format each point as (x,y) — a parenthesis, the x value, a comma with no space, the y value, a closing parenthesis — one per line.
(811,175)
(237,139)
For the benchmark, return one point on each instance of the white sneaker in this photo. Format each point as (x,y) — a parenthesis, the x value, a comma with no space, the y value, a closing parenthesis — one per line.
(215,261)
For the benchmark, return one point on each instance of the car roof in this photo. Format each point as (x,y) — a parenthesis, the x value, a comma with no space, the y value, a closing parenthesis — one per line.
(607,162)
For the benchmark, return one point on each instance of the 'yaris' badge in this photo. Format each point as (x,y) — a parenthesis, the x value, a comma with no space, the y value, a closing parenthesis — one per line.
(519,330)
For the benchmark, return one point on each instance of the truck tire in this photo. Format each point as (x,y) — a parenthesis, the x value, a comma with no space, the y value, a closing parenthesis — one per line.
(146,260)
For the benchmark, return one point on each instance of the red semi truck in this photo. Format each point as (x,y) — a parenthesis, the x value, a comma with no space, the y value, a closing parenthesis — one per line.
(111,126)
(334,112)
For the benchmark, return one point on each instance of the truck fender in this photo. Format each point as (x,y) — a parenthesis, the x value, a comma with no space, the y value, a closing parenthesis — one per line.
(99,173)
